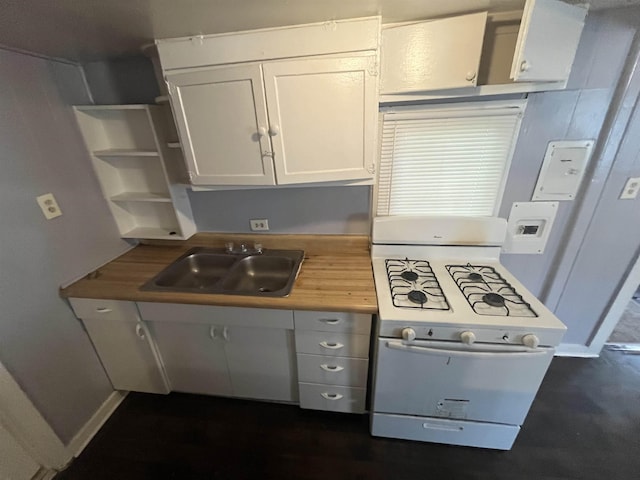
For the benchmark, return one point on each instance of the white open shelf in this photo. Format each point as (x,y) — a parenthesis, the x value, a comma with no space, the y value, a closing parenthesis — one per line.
(119,152)
(130,152)
(141,197)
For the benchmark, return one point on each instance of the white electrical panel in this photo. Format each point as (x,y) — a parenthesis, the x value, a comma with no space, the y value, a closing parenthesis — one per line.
(562,170)
(529,227)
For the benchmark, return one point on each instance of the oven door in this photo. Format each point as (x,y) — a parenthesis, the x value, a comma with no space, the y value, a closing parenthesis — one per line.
(480,382)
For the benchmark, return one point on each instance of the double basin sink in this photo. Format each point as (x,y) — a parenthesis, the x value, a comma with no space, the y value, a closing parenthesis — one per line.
(213,270)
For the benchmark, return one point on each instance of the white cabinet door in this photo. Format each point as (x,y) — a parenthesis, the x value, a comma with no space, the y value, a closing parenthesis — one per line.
(193,355)
(547,41)
(322,118)
(127,355)
(432,55)
(262,363)
(222,120)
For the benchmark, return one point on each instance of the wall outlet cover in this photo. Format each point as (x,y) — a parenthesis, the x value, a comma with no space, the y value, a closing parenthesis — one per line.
(49,206)
(259,224)
(529,227)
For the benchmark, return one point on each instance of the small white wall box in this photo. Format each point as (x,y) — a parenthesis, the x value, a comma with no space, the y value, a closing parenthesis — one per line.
(529,227)
(562,170)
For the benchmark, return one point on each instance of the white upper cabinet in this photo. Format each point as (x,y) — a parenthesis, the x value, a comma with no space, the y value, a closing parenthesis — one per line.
(497,52)
(221,117)
(432,55)
(547,41)
(277,106)
(322,118)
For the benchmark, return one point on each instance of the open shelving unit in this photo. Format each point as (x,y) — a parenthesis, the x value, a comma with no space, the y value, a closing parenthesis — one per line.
(141,177)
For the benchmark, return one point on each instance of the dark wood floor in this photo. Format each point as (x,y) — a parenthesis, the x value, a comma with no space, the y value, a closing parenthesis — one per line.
(584,424)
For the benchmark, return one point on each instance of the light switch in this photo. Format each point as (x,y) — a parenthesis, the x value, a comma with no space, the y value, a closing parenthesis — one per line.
(562,170)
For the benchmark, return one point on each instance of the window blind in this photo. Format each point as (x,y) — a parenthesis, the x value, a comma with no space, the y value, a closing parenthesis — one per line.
(447,160)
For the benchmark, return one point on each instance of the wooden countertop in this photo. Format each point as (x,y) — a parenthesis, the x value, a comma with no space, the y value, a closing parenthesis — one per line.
(336,274)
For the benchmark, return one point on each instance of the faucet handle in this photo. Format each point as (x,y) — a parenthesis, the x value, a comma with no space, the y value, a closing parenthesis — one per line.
(257,247)
(229,247)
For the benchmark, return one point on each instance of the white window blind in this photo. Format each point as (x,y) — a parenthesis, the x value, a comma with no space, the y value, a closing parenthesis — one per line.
(447,160)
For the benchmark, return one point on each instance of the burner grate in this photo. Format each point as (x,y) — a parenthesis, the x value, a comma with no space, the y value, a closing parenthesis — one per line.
(414,285)
(488,293)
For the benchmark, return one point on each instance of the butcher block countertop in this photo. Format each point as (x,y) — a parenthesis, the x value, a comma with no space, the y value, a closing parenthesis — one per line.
(336,274)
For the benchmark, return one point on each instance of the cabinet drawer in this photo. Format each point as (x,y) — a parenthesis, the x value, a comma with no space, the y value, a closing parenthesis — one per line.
(104,309)
(209,314)
(349,372)
(333,322)
(330,397)
(332,344)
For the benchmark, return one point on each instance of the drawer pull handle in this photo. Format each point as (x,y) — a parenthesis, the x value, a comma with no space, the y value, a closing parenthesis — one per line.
(331,368)
(330,321)
(331,345)
(103,310)
(331,396)
(212,333)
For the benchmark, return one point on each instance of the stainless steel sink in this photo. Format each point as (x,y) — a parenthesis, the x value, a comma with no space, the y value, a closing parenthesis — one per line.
(212,270)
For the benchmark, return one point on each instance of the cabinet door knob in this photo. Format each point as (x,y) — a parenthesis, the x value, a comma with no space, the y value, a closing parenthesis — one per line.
(274,130)
(524,66)
(140,331)
(262,131)
(470,76)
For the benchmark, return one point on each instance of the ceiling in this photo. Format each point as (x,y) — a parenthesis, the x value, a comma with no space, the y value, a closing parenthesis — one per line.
(85,30)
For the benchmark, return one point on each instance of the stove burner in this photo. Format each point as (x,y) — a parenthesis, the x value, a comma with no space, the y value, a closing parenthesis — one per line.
(410,276)
(488,293)
(414,285)
(493,299)
(417,297)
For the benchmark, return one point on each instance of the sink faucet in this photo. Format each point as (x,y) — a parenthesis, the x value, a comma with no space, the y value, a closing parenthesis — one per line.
(244,249)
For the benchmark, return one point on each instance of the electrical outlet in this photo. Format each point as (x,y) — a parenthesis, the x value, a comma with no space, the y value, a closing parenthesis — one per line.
(631,188)
(49,206)
(259,224)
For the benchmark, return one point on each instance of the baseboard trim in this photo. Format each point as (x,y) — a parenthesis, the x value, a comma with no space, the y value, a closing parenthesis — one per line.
(88,431)
(44,474)
(575,350)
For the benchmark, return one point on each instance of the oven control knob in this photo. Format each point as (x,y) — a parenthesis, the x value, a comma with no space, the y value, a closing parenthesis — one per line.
(530,340)
(408,334)
(468,337)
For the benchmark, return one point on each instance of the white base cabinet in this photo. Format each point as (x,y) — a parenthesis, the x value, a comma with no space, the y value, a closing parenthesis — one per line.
(193,357)
(205,351)
(333,360)
(123,343)
(232,351)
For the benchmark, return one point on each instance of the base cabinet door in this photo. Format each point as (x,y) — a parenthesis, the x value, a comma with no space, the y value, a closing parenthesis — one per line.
(128,355)
(262,363)
(194,357)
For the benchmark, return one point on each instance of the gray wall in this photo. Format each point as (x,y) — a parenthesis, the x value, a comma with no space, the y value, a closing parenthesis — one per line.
(41,343)
(329,210)
(122,81)
(576,113)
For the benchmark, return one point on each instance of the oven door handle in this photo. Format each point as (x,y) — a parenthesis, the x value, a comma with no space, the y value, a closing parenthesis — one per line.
(510,351)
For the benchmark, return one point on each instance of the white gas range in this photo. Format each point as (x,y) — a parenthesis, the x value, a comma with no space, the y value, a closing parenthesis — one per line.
(462,345)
